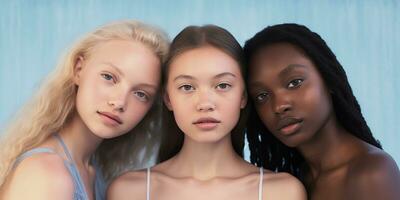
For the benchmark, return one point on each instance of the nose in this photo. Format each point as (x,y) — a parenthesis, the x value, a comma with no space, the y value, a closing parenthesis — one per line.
(281,104)
(205,102)
(117,105)
(119,100)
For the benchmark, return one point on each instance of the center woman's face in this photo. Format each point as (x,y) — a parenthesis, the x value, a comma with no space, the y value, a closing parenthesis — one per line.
(205,91)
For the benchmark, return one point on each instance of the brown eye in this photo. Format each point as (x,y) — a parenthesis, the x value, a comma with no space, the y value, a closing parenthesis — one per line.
(186,88)
(223,86)
(295,83)
(261,97)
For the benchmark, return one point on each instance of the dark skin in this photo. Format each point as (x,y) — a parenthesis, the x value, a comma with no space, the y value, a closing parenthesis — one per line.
(295,105)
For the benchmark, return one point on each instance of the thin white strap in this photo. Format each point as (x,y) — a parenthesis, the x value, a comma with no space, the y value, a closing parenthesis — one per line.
(148,184)
(260,184)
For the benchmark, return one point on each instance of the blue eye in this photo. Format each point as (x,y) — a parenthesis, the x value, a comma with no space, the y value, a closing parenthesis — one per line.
(186,88)
(261,97)
(108,77)
(223,86)
(295,83)
(142,96)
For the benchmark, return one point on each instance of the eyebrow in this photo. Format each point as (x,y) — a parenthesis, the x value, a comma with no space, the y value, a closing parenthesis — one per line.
(114,67)
(290,68)
(281,74)
(146,85)
(225,74)
(215,77)
(150,86)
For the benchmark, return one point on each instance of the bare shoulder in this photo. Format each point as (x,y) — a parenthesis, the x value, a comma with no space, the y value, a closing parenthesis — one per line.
(374,174)
(129,184)
(41,176)
(374,164)
(282,186)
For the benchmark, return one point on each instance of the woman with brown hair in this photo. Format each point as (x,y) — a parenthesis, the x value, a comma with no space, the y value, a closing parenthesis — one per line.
(205,91)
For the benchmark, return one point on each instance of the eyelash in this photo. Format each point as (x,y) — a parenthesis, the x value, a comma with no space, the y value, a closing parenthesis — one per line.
(264,96)
(189,88)
(295,82)
(185,88)
(144,98)
(227,86)
(108,77)
(141,95)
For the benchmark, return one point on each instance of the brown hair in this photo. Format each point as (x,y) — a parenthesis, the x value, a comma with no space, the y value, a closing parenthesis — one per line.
(193,37)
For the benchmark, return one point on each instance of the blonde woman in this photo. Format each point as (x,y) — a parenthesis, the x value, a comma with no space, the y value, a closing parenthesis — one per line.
(102,89)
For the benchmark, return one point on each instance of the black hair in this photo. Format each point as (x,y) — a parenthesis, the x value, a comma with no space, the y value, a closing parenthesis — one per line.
(265,149)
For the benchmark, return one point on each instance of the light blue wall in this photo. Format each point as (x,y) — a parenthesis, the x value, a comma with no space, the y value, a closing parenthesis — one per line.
(364,35)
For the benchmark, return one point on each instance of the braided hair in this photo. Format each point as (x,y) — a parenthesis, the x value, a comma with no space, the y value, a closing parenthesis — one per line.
(265,149)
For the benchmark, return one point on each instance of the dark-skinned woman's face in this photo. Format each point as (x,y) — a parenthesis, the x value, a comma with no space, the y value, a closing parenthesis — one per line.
(289,94)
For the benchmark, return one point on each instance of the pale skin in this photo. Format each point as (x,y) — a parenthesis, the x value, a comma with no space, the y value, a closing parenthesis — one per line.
(118,79)
(205,82)
(285,82)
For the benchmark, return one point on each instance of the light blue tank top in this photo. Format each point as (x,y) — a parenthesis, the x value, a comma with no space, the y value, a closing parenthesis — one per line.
(79,188)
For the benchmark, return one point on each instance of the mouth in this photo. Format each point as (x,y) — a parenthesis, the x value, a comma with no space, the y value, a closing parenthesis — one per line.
(289,126)
(208,123)
(110,118)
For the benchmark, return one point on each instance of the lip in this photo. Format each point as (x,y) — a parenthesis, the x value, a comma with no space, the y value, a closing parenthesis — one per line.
(206,123)
(289,125)
(110,116)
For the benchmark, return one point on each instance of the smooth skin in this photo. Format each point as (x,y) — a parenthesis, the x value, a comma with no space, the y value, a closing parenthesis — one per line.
(285,84)
(119,78)
(205,82)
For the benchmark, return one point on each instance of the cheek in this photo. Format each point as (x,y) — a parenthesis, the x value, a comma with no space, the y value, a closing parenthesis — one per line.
(181,111)
(93,90)
(317,102)
(230,107)
(265,115)
(136,113)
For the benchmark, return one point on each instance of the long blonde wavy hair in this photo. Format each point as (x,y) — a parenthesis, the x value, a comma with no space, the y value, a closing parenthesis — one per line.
(54,104)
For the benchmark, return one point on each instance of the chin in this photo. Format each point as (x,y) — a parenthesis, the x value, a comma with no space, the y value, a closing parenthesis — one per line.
(291,144)
(207,137)
(106,134)
(295,141)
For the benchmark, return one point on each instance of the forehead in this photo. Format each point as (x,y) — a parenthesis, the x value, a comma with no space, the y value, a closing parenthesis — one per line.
(114,49)
(135,60)
(278,53)
(203,61)
(276,57)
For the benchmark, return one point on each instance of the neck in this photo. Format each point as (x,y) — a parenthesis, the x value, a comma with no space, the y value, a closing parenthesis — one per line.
(206,160)
(330,147)
(80,141)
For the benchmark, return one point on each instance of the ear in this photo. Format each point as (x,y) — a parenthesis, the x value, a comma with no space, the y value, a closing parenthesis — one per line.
(243,101)
(167,101)
(78,69)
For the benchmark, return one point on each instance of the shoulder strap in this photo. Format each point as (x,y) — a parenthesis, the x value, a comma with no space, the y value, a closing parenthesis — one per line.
(65,148)
(260,184)
(80,187)
(31,152)
(148,184)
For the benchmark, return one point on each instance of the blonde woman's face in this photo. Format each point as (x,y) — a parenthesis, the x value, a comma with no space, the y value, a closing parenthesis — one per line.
(206,93)
(116,83)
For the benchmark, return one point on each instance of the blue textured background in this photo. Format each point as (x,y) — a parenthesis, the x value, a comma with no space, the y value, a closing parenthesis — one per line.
(364,35)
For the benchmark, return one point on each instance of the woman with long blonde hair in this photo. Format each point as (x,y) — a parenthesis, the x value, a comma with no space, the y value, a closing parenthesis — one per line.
(87,110)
